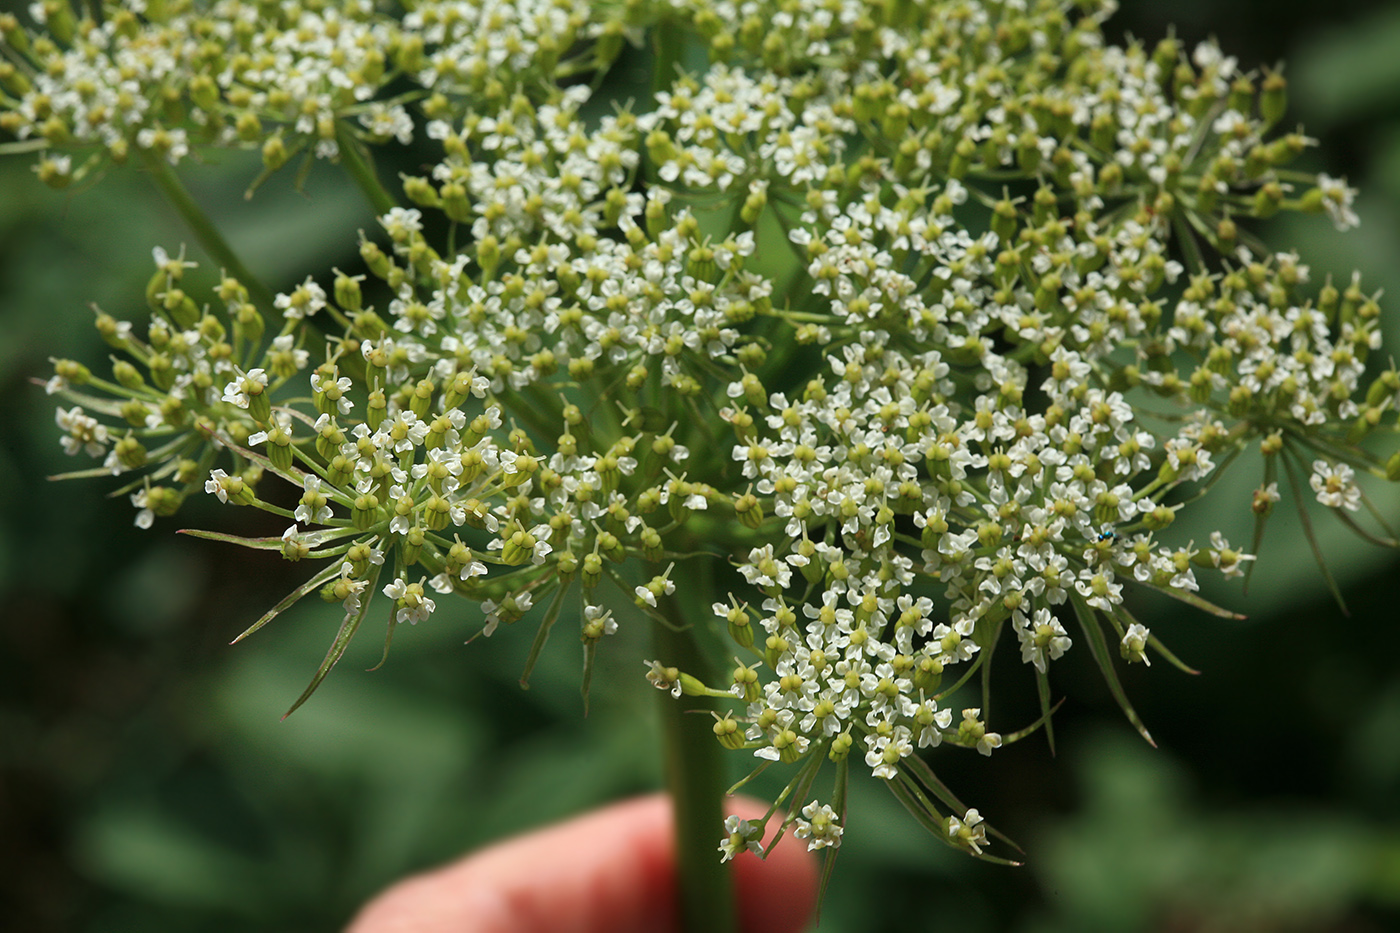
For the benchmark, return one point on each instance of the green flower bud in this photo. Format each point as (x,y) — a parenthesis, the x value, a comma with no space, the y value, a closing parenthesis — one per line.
(840,747)
(749,510)
(727,730)
(773,650)
(279,447)
(347,292)
(375,259)
(411,547)
(376,409)
(746,679)
(1159,518)
(592,570)
(365,513)
(130,452)
(360,556)
(274,153)
(1273,98)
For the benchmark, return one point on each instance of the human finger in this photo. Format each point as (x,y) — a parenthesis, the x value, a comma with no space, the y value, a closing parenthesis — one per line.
(610,871)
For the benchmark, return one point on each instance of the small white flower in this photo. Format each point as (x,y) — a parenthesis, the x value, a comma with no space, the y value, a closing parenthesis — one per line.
(741,835)
(237,391)
(968,831)
(84,432)
(1337,200)
(146,517)
(664,678)
(1134,645)
(413,605)
(819,825)
(218,483)
(302,302)
(1335,485)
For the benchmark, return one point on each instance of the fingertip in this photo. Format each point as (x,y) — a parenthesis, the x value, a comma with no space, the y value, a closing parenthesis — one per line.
(610,870)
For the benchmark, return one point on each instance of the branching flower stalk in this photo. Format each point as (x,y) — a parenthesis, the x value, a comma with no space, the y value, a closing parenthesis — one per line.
(896,332)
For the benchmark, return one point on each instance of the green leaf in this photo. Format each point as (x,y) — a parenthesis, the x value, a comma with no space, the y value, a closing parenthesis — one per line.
(23,145)
(907,792)
(1128,620)
(1296,485)
(589,651)
(1261,519)
(1362,532)
(329,571)
(295,477)
(1191,599)
(748,777)
(257,544)
(921,770)
(342,640)
(838,803)
(1042,684)
(1020,734)
(542,635)
(1099,649)
(388,637)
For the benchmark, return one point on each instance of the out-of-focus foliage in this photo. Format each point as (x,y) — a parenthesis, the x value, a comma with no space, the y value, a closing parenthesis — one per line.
(146,781)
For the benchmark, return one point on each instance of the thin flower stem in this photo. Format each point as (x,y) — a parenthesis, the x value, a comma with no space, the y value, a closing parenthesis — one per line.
(358,167)
(695,778)
(204,229)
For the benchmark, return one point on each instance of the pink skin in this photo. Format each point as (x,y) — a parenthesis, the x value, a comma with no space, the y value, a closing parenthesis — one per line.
(609,871)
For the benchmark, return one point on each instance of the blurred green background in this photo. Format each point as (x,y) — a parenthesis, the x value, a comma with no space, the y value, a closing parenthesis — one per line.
(147,782)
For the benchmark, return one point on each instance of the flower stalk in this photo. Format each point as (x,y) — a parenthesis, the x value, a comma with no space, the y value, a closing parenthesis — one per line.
(695,779)
(203,228)
(357,165)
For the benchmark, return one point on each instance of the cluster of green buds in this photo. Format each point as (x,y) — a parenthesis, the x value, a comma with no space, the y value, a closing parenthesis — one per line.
(900,330)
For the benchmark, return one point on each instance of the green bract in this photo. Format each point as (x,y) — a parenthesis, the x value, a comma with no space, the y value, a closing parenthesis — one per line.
(893,331)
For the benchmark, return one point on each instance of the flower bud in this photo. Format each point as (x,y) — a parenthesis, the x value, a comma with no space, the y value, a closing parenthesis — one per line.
(1273,98)
(294,546)
(279,447)
(411,547)
(1268,199)
(789,745)
(376,409)
(840,747)
(746,680)
(773,650)
(727,730)
(592,570)
(274,153)
(1159,518)
(749,510)
(130,452)
(365,512)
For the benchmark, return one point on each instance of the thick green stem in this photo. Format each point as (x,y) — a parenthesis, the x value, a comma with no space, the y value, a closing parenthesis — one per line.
(352,159)
(203,228)
(668,44)
(695,777)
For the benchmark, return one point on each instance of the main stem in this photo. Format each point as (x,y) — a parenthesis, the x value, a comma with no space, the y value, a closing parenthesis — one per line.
(695,778)
(204,229)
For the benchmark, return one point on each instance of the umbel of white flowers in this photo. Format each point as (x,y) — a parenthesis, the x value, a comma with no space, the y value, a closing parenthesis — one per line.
(926,317)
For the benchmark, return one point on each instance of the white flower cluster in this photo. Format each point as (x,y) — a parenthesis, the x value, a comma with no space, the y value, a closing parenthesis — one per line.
(874,308)
(166,78)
